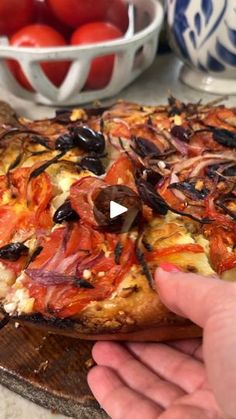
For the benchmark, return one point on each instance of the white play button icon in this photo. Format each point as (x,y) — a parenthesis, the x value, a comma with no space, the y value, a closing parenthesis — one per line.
(116,209)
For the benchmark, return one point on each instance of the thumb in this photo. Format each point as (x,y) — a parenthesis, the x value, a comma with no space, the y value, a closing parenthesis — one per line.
(210,303)
(193,296)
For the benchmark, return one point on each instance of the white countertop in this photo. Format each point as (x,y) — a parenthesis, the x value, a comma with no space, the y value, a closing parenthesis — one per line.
(150,88)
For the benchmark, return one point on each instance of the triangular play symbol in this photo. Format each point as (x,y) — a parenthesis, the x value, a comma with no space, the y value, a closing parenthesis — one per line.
(116,209)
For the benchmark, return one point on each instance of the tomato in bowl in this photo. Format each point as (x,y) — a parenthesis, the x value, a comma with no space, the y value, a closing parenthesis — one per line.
(75,13)
(84,80)
(101,67)
(38,36)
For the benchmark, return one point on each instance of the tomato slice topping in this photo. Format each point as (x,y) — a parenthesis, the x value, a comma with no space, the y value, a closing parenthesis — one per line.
(178,248)
(64,255)
(227,263)
(218,118)
(15,266)
(169,196)
(103,285)
(82,196)
(27,209)
(220,257)
(82,239)
(218,218)
(121,172)
(51,246)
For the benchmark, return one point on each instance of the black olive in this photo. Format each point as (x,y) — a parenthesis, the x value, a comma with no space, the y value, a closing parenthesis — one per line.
(150,197)
(93,164)
(224,137)
(152,177)
(144,147)
(65,142)
(97,111)
(13,251)
(65,213)
(180,132)
(89,140)
(82,137)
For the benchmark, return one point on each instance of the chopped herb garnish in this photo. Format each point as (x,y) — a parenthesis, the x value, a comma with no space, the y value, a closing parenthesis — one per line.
(145,270)
(44,166)
(118,251)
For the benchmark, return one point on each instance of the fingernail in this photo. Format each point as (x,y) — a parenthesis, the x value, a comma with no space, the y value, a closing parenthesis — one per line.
(169,267)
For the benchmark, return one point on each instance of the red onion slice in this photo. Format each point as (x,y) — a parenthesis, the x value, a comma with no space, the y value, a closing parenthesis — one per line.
(185,164)
(48,278)
(174,179)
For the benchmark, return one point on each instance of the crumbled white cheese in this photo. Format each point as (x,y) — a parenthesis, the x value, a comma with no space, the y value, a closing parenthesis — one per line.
(10,308)
(87,274)
(161,164)
(133,235)
(19,301)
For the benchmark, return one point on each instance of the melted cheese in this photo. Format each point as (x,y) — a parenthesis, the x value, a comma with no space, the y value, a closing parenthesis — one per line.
(172,231)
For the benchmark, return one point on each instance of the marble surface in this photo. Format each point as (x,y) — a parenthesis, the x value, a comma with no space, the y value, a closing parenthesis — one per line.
(152,87)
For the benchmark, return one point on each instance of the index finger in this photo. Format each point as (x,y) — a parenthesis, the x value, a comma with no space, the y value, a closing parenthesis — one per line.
(193,296)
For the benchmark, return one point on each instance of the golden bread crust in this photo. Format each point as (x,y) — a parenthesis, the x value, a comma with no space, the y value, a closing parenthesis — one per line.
(181,222)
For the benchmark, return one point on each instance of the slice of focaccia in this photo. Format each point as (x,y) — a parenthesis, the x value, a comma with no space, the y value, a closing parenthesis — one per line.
(65,263)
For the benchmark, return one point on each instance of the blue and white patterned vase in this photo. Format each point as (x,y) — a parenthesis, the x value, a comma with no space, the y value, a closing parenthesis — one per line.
(203,34)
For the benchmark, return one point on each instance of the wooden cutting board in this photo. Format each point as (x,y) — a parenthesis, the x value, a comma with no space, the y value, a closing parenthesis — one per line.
(50,370)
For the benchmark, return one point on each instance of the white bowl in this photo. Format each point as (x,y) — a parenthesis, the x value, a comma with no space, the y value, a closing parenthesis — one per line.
(134,53)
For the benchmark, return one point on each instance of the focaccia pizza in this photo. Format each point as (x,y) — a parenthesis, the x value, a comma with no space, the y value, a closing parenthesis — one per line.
(66,263)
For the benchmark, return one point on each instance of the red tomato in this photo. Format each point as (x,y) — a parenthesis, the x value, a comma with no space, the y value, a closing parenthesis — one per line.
(45,15)
(220,257)
(14,14)
(89,239)
(101,67)
(228,263)
(121,172)
(78,12)
(178,248)
(65,298)
(38,35)
(29,210)
(82,195)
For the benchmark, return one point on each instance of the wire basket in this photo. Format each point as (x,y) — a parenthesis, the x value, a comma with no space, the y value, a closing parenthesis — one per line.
(133,54)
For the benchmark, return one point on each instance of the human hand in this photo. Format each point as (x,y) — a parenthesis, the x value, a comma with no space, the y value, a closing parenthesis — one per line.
(176,380)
